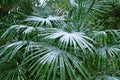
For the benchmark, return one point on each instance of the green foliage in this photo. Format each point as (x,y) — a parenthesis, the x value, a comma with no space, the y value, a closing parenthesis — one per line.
(60,40)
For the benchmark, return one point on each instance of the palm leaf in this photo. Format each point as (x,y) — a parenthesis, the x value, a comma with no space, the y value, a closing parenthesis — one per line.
(109,51)
(66,40)
(52,63)
(114,34)
(9,51)
(46,21)
(20,30)
(100,37)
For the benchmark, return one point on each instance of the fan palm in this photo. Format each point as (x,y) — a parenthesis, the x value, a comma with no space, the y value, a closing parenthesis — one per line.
(61,46)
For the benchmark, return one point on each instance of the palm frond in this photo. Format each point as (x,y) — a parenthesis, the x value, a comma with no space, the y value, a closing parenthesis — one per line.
(46,21)
(9,51)
(52,63)
(109,51)
(17,30)
(114,34)
(104,37)
(66,40)
(100,37)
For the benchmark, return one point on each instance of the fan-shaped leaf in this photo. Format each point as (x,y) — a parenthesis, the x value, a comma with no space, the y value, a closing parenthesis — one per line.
(109,51)
(48,21)
(50,61)
(66,40)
